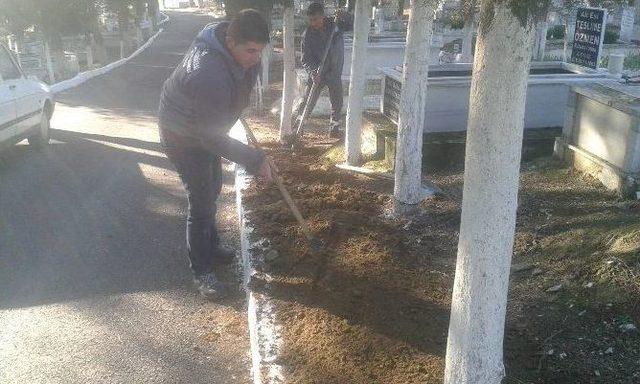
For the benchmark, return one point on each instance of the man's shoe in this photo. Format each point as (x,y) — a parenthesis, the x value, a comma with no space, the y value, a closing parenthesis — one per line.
(223,255)
(209,286)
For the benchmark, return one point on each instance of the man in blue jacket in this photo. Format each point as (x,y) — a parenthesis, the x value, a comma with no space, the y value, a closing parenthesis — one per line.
(314,41)
(199,104)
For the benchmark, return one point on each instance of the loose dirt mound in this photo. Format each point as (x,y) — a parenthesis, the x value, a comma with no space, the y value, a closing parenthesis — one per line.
(373,306)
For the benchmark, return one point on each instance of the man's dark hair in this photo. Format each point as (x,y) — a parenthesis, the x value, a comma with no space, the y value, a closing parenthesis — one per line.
(315,9)
(248,25)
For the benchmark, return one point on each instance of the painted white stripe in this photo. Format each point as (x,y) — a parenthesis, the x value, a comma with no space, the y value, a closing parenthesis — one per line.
(84,76)
(264,333)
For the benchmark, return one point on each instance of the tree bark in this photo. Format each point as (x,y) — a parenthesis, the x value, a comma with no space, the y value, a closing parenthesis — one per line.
(266,63)
(94,35)
(358,78)
(492,163)
(467,40)
(351,5)
(289,76)
(55,48)
(19,43)
(565,45)
(408,169)
(47,55)
(540,40)
(89,57)
(153,8)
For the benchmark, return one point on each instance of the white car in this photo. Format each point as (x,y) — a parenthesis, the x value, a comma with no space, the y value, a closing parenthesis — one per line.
(26,104)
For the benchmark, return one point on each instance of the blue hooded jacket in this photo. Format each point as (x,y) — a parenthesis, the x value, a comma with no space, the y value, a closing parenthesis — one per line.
(204,97)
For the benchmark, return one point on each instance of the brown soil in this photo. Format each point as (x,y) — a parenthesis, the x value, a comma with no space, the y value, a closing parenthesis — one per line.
(373,306)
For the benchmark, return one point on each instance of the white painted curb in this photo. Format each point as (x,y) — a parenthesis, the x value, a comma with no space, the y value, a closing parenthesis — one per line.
(84,76)
(165,18)
(264,333)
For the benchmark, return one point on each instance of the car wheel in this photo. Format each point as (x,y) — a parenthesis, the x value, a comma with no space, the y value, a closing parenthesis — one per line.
(41,138)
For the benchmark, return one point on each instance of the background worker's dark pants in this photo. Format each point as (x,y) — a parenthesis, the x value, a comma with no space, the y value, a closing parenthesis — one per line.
(335,95)
(201,175)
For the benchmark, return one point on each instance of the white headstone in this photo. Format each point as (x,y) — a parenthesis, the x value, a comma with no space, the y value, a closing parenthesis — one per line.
(627,18)
(616,64)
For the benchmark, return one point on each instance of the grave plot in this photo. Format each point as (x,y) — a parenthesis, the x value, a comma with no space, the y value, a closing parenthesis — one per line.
(373,305)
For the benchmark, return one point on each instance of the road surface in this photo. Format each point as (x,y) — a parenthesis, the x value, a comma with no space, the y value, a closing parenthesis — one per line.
(94,283)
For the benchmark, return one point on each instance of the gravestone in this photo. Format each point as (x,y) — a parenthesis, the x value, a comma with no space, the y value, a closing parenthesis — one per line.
(627,19)
(588,37)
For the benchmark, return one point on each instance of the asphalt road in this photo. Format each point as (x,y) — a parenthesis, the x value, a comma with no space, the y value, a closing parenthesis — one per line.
(94,283)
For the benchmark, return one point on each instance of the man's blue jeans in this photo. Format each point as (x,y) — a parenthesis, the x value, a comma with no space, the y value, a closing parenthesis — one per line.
(201,174)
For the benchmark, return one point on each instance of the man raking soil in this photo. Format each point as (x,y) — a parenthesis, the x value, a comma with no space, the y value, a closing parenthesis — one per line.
(323,59)
(200,102)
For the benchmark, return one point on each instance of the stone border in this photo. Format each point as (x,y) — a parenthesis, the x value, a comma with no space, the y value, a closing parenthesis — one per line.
(165,19)
(264,333)
(82,77)
(613,178)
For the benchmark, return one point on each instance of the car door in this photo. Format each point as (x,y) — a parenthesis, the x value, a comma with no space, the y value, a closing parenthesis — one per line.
(10,77)
(7,108)
(27,93)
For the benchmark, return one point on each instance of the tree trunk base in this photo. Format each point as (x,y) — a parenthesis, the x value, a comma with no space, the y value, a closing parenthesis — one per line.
(402,210)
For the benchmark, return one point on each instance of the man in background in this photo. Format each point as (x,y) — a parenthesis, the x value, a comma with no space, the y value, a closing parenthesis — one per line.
(314,41)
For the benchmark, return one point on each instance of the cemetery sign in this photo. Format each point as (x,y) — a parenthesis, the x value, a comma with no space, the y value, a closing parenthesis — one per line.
(588,37)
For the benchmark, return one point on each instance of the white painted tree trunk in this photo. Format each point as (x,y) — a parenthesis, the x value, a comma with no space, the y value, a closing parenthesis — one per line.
(122,49)
(353,140)
(565,48)
(408,168)
(18,44)
(47,55)
(289,77)
(467,40)
(266,62)
(540,45)
(10,42)
(139,37)
(90,56)
(259,91)
(492,163)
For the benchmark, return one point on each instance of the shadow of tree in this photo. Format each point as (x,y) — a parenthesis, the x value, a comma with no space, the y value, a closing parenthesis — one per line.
(81,219)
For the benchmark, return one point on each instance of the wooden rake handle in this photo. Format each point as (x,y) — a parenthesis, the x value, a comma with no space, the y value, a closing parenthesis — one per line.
(283,190)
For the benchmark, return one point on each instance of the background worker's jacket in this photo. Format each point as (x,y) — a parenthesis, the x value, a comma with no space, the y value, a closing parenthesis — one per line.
(314,43)
(204,97)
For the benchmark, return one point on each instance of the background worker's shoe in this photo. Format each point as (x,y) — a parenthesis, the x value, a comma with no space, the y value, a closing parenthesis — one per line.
(334,129)
(209,286)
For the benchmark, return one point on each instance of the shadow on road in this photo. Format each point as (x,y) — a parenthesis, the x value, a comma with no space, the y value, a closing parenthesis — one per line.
(93,223)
